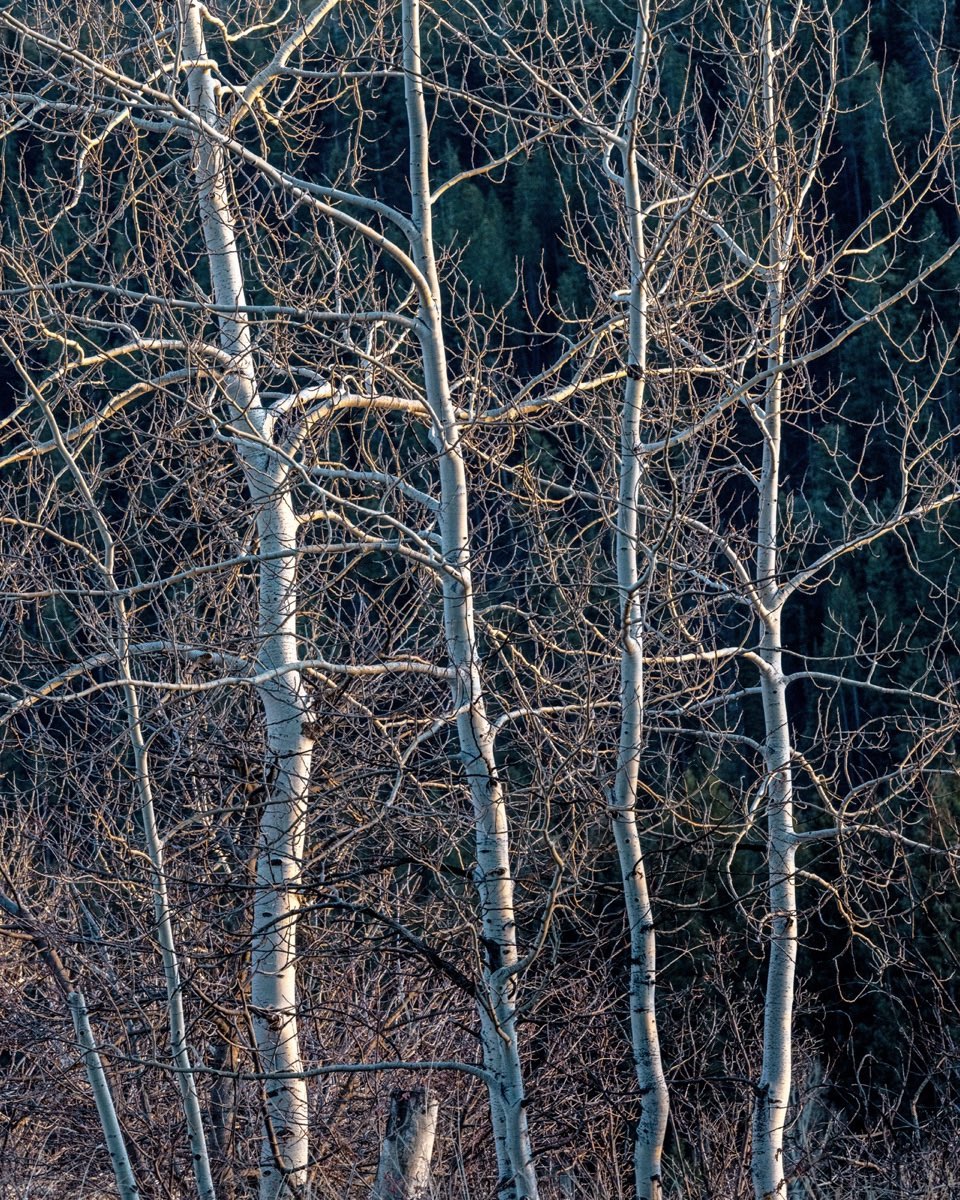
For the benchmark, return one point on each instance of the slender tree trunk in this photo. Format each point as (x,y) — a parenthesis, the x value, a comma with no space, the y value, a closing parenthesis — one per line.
(284,1152)
(93,1064)
(494,875)
(404,1169)
(223,1110)
(773,1091)
(645,1039)
(225,1057)
(116,1146)
(186,1079)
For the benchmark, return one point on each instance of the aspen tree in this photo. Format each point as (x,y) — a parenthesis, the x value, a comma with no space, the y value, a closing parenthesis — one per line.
(408,687)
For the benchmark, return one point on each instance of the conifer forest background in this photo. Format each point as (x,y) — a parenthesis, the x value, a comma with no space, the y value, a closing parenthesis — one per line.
(479,511)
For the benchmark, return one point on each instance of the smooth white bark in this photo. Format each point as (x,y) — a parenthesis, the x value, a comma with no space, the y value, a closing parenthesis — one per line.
(645,1039)
(106,1110)
(284,1151)
(773,1090)
(494,876)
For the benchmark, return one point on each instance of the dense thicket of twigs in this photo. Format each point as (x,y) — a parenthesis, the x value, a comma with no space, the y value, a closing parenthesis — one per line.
(131,551)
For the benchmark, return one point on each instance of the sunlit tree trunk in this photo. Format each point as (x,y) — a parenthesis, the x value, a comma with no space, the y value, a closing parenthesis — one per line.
(494,875)
(284,1151)
(651,1083)
(106,1110)
(773,1090)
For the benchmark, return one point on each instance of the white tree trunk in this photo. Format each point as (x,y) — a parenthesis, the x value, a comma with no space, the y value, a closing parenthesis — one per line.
(773,1091)
(186,1078)
(93,1064)
(106,1110)
(284,1151)
(494,877)
(279,861)
(645,1039)
(407,1151)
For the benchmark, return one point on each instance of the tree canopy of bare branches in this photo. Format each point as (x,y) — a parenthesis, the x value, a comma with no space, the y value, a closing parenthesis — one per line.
(477,721)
